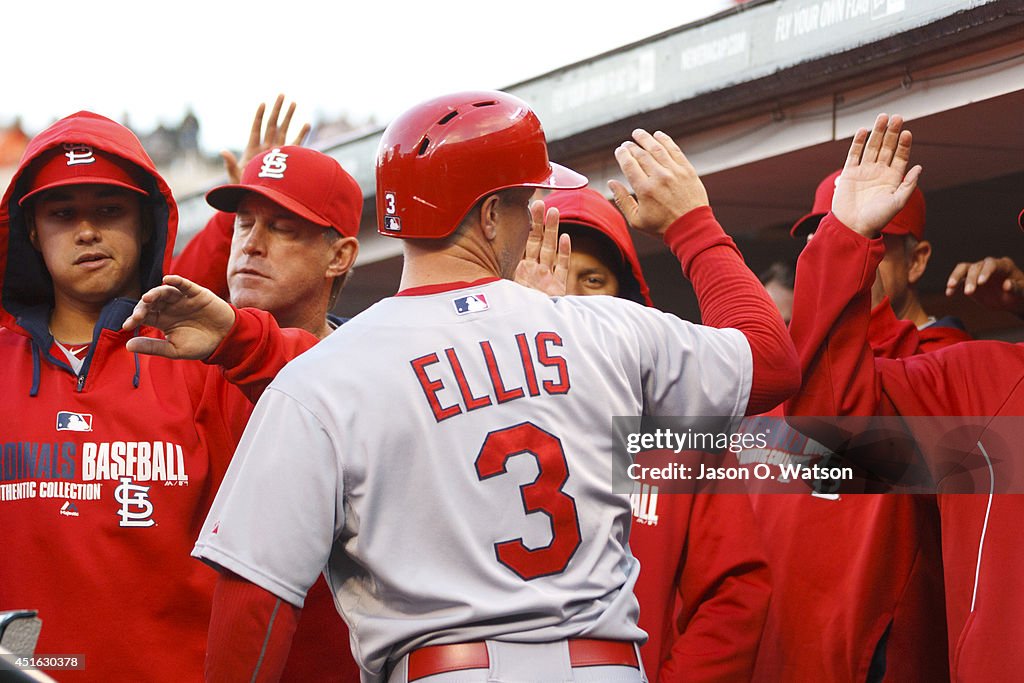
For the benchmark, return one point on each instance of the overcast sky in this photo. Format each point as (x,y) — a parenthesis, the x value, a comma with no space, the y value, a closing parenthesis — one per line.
(361,58)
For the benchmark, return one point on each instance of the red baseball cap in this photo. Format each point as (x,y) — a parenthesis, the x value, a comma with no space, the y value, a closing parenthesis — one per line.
(304,181)
(76,164)
(909,221)
(590,209)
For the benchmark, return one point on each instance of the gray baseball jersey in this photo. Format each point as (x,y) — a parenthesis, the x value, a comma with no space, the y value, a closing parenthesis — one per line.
(445,459)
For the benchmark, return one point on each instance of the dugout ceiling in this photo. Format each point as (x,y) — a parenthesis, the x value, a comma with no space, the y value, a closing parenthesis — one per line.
(764,98)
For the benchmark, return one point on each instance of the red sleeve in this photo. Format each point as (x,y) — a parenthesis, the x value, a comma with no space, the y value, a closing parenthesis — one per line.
(723,597)
(204,260)
(256,349)
(731,296)
(889,336)
(831,315)
(250,632)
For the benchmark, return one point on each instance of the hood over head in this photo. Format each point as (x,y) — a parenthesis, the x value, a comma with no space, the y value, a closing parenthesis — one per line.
(26,289)
(586,208)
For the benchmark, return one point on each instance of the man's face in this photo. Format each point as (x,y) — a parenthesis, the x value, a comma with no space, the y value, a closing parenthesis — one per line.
(90,237)
(278,262)
(895,270)
(783,298)
(588,272)
(514,229)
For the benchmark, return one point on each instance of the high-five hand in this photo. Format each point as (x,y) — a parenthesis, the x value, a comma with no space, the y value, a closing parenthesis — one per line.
(875,183)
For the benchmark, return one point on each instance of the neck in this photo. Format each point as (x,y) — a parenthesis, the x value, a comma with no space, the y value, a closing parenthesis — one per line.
(73,324)
(311,318)
(430,264)
(315,322)
(913,311)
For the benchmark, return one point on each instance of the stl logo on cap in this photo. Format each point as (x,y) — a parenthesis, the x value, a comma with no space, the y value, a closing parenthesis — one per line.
(78,154)
(274,164)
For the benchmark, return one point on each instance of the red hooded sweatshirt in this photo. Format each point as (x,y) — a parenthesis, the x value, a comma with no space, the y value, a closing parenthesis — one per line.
(106,477)
(981,549)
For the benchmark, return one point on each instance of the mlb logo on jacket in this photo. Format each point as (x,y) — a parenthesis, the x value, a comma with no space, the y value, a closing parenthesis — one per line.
(73,422)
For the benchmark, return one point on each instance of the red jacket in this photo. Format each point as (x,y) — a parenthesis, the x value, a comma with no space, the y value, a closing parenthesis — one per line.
(105,478)
(320,648)
(869,616)
(981,549)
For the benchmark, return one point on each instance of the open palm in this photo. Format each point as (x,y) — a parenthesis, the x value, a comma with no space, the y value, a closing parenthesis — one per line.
(875,184)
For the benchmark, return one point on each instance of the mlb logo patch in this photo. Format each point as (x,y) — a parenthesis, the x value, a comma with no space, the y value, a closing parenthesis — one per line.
(474,303)
(392,223)
(73,422)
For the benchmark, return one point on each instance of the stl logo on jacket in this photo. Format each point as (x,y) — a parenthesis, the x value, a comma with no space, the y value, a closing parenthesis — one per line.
(68,421)
(274,164)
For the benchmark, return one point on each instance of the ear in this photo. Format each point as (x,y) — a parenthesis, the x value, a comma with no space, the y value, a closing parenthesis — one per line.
(918,261)
(343,256)
(30,223)
(489,210)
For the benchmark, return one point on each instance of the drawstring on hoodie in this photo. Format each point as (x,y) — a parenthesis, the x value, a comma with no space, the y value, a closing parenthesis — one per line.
(138,369)
(36,366)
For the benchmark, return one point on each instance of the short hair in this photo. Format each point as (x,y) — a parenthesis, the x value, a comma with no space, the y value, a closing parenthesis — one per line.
(782,272)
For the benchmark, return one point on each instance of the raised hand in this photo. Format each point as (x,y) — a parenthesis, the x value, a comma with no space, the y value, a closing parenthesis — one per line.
(261,140)
(875,183)
(665,183)
(996,283)
(193,319)
(545,265)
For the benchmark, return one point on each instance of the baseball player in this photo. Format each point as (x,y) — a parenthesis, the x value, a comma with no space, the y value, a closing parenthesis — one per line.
(907,253)
(110,457)
(704,586)
(288,251)
(292,243)
(452,466)
(981,552)
(885,619)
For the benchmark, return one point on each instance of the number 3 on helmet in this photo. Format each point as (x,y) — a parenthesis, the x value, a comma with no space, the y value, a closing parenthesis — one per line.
(438,159)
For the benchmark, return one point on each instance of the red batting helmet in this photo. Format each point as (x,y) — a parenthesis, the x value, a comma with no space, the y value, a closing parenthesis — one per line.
(438,159)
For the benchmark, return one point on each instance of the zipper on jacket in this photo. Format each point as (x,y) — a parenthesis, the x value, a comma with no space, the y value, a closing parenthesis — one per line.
(81,381)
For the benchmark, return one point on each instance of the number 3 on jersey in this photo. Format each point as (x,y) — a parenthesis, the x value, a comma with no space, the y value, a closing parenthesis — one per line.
(544,495)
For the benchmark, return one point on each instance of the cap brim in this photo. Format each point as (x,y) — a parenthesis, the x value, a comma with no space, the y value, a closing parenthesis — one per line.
(228,197)
(562,178)
(80,180)
(806,225)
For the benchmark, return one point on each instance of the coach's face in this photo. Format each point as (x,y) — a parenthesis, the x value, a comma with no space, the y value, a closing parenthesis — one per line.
(279,262)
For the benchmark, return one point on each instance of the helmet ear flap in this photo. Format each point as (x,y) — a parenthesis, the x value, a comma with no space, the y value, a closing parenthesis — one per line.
(438,159)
